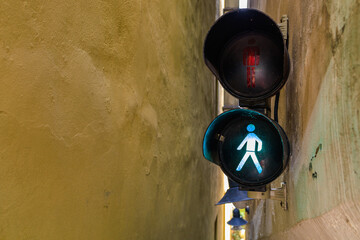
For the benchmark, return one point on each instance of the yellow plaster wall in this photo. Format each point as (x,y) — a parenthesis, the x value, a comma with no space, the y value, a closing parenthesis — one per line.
(103,105)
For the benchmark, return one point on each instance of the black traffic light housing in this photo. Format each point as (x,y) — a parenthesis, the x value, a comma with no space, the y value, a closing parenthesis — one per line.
(245,50)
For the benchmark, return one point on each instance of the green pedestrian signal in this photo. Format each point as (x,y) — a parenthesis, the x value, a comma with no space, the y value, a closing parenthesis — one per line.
(250,140)
(250,148)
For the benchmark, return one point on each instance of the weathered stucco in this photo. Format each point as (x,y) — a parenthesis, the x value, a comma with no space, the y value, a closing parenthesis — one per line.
(320,113)
(102,111)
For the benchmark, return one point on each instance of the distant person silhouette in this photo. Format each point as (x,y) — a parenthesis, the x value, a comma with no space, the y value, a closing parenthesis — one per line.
(250,141)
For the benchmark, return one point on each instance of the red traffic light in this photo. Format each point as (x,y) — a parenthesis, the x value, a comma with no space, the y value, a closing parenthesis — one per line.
(245,50)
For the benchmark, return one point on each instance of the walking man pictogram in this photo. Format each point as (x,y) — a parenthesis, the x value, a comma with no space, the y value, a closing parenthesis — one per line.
(250,141)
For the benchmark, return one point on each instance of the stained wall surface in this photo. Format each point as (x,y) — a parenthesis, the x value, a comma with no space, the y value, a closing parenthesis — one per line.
(319,110)
(103,105)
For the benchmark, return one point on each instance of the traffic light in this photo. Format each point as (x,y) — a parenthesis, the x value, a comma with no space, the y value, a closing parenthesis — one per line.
(245,50)
(249,147)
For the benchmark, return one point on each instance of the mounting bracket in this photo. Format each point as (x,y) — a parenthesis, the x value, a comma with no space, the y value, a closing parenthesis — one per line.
(279,194)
